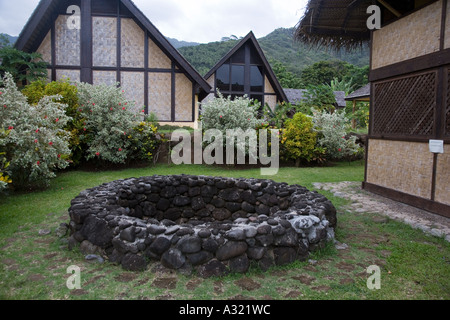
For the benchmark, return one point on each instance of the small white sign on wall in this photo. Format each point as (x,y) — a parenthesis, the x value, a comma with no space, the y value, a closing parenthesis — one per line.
(437,146)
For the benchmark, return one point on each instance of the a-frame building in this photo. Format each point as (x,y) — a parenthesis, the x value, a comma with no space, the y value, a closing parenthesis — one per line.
(246,71)
(110,41)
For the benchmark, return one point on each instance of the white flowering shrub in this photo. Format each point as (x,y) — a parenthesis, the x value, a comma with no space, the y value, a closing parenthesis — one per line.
(333,135)
(238,117)
(108,123)
(223,113)
(36,144)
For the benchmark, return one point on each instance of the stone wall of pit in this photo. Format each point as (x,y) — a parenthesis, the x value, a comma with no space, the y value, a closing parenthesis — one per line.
(215,225)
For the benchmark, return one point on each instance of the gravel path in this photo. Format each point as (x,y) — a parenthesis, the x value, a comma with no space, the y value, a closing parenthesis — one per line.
(363,201)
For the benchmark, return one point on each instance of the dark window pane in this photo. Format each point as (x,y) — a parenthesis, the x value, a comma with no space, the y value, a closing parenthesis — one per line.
(237,78)
(239,56)
(256,79)
(223,78)
(254,57)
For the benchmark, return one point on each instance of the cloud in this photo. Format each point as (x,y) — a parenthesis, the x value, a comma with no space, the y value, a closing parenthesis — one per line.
(210,20)
(188,20)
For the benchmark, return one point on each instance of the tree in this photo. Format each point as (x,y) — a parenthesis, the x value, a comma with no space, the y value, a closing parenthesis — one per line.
(287,79)
(324,72)
(22,66)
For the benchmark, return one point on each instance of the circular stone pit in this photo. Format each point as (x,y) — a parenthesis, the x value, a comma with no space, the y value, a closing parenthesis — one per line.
(215,225)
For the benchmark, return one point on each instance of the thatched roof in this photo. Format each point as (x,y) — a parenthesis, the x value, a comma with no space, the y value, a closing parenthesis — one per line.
(335,23)
(343,23)
(360,94)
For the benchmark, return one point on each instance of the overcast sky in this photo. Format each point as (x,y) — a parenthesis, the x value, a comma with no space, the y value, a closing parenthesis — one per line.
(189,20)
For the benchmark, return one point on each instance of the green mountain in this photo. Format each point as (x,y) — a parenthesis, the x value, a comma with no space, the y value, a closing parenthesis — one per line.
(180,44)
(277,46)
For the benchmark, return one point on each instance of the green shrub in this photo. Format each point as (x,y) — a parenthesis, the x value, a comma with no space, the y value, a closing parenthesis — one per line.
(37,144)
(298,139)
(36,90)
(145,141)
(333,135)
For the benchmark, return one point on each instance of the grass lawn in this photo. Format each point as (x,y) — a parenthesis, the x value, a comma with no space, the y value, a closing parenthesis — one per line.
(33,266)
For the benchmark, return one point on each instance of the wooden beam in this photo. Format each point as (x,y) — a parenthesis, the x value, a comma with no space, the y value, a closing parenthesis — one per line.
(390,8)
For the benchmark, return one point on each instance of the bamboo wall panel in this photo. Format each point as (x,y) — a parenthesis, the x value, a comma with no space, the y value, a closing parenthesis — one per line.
(104,77)
(447,113)
(212,81)
(267,86)
(183,98)
(133,85)
(45,49)
(157,58)
(67,43)
(271,101)
(403,166)
(160,95)
(413,36)
(447,28)
(104,42)
(73,75)
(443,177)
(133,44)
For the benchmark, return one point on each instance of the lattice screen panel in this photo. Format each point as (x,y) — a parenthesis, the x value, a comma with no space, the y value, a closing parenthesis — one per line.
(447,122)
(405,106)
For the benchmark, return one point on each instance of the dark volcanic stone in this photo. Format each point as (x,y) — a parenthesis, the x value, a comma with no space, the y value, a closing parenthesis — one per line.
(189,245)
(231,249)
(173,259)
(160,245)
(221,214)
(97,232)
(240,264)
(213,268)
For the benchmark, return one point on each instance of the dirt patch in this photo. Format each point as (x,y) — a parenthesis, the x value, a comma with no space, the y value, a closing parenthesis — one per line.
(165,283)
(293,294)
(241,297)
(247,284)
(193,284)
(305,279)
(218,287)
(345,266)
(322,288)
(78,292)
(125,277)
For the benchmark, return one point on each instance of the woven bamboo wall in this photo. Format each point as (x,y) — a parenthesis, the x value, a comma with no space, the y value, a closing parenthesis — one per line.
(104,41)
(45,49)
(104,77)
(183,98)
(271,101)
(73,75)
(267,86)
(133,44)
(443,177)
(415,35)
(159,95)
(402,166)
(211,81)
(133,85)
(157,58)
(447,28)
(67,43)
